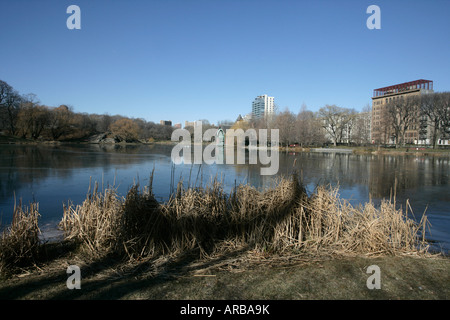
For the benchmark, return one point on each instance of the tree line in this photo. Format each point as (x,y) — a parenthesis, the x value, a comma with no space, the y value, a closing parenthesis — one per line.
(419,119)
(329,125)
(428,114)
(24,116)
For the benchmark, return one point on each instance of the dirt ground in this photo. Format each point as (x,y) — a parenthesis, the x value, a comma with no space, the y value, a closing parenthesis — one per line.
(239,275)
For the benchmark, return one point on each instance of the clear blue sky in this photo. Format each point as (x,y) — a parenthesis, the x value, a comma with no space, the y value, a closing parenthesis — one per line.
(208,59)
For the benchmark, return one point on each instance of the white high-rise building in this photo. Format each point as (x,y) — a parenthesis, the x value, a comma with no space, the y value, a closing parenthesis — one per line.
(262,107)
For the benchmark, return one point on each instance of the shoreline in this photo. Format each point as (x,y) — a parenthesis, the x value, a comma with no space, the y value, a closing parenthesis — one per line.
(415,151)
(402,151)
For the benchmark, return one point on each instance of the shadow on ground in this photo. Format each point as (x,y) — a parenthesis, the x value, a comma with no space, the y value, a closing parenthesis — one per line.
(110,278)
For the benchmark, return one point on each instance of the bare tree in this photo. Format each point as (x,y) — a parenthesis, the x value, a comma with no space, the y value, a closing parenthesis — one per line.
(303,128)
(431,116)
(401,113)
(9,107)
(349,118)
(309,130)
(59,122)
(335,121)
(443,102)
(285,123)
(206,125)
(103,122)
(384,128)
(361,126)
(32,120)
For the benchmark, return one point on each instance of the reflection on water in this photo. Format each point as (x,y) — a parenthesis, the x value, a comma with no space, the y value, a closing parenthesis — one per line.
(53,175)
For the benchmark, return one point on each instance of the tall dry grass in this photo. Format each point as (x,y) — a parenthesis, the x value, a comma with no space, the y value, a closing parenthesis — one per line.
(280,219)
(255,215)
(97,222)
(106,223)
(20,243)
(325,222)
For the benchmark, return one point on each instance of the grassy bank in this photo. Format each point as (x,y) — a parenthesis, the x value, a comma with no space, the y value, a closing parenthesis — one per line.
(205,233)
(401,151)
(7,139)
(4,139)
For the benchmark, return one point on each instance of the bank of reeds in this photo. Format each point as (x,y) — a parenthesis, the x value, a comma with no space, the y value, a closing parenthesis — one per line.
(20,243)
(97,222)
(325,222)
(280,220)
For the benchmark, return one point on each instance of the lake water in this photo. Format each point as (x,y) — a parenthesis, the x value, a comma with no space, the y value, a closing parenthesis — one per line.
(53,175)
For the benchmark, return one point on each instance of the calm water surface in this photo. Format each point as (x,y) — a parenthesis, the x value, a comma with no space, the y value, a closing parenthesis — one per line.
(53,175)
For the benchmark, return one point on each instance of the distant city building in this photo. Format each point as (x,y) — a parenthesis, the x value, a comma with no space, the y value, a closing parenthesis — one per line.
(177,125)
(165,122)
(262,107)
(382,132)
(189,124)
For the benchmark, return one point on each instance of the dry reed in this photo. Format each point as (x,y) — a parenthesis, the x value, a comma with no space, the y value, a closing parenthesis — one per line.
(96,222)
(20,243)
(328,223)
(282,219)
